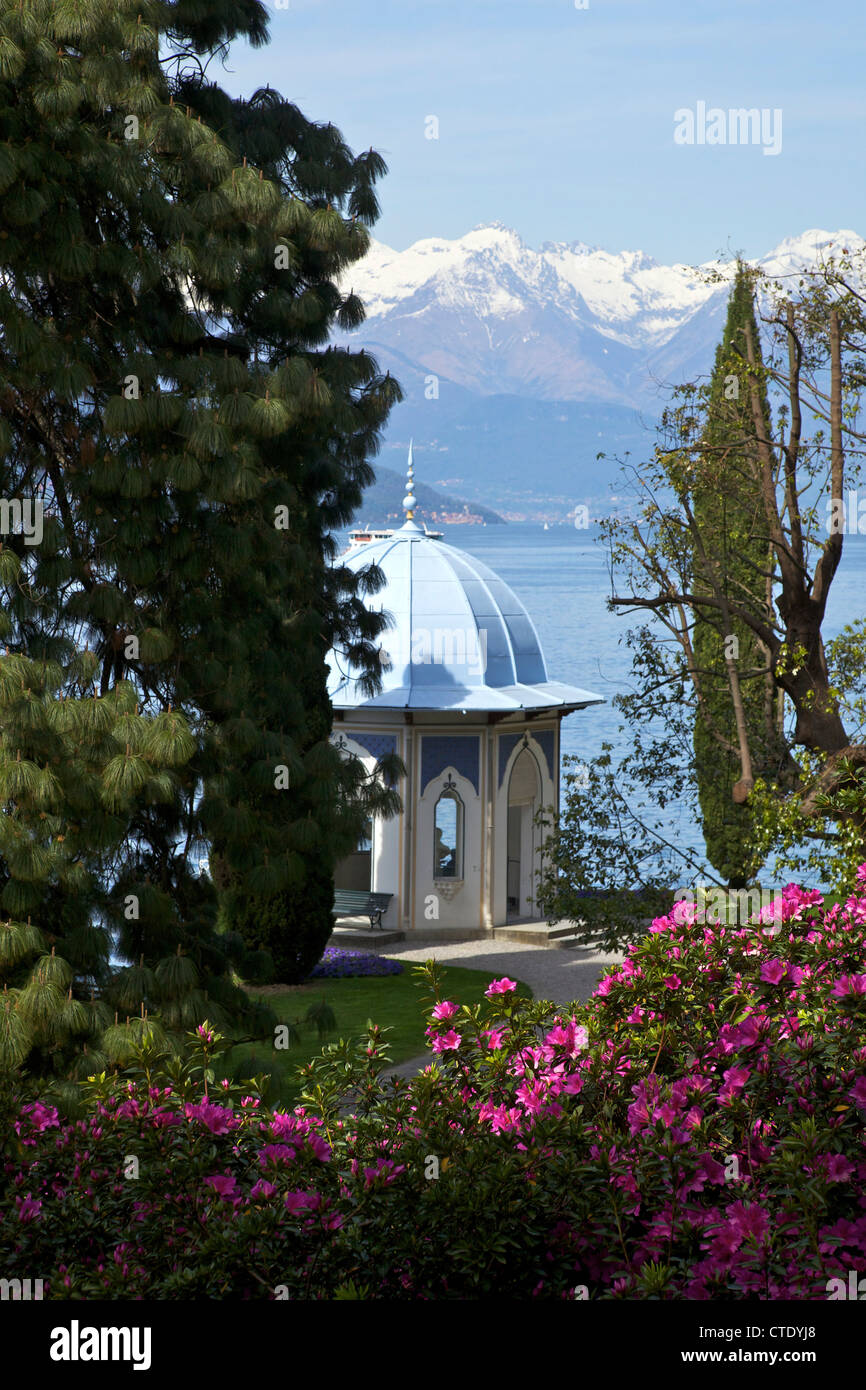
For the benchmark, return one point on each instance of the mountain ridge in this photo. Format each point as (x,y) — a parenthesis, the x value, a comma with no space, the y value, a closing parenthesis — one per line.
(490,312)
(520,365)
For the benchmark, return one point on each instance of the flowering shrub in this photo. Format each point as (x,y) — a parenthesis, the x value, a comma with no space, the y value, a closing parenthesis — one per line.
(695,1131)
(337,964)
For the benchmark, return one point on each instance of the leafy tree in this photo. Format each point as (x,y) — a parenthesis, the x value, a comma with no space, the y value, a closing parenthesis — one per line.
(787,491)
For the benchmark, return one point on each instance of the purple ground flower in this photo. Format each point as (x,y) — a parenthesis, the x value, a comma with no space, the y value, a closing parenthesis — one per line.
(337,964)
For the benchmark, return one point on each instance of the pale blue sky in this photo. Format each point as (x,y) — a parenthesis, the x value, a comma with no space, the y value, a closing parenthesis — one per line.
(559,121)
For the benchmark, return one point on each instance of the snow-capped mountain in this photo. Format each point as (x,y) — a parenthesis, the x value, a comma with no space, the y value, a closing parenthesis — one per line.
(520,366)
(565,322)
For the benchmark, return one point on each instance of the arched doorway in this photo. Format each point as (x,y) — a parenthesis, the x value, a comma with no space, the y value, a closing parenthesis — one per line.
(524,792)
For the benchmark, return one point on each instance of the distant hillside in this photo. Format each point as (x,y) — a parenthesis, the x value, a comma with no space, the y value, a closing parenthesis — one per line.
(383,504)
(530,460)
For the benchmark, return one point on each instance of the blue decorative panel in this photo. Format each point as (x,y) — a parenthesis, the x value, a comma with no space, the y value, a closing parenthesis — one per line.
(507,744)
(459,751)
(547,742)
(377,745)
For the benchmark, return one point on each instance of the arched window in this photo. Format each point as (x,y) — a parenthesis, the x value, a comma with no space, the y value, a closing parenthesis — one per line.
(448,836)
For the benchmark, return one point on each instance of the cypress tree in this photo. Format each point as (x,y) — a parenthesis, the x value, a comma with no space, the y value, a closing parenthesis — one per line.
(726,504)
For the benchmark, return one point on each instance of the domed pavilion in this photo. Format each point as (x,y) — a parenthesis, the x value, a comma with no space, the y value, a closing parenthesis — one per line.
(467,704)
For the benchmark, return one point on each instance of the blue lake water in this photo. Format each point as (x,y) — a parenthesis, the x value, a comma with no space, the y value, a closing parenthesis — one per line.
(561,577)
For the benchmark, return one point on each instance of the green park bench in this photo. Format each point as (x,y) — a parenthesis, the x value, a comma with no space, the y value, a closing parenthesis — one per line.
(350,902)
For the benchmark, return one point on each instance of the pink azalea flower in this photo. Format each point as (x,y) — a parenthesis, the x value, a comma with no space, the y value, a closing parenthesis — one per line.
(572,1085)
(573,1037)
(793,904)
(446,1042)
(285,1126)
(295,1202)
(843,1232)
(856,908)
(771,912)
(28,1208)
(129,1110)
(385,1170)
(643,1111)
(735,1035)
(736,1077)
(772,971)
(708,1170)
(502,1119)
(749,1221)
(858,1092)
(673,982)
(838,1167)
(224,1184)
(320,1149)
(532,1095)
(217,1118)
(276,1153)
(262,1190)
(849,984)
(683,913)
(503,986)
(40,1116)
(558,1036)
(726,1242)
(445,1010)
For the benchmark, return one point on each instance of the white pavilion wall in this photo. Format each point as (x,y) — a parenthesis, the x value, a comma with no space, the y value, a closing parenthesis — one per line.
(368,745)
(479,764)
(441,904)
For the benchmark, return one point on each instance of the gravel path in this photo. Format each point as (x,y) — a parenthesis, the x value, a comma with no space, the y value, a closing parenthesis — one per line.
(559,975)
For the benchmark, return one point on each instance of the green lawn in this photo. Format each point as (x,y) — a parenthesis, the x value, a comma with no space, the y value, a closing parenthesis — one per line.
(393,1001)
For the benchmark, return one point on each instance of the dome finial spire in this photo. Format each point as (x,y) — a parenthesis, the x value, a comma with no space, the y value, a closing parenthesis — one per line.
(409,501)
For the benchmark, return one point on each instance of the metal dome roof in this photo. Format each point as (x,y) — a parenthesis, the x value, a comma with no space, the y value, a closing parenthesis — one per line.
(459,638)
